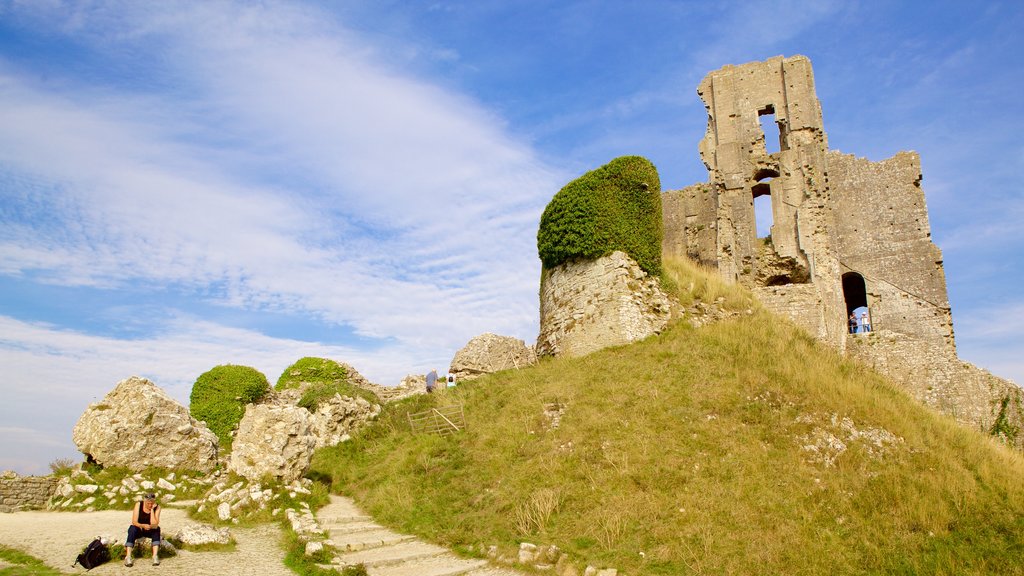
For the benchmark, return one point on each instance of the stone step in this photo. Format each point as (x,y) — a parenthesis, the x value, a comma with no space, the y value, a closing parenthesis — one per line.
(339,519)
(492,571)
(350,527)
(444,565)
(367,539)
(394,554)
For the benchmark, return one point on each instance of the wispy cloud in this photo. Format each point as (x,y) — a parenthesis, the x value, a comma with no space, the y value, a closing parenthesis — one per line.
(410,203)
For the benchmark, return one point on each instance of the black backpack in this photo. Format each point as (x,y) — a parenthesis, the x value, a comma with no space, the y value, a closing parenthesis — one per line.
(95,553)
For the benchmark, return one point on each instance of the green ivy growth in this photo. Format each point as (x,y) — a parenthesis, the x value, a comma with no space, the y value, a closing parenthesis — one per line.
(325,377)
(220,395)
(1003,427)
(616,207)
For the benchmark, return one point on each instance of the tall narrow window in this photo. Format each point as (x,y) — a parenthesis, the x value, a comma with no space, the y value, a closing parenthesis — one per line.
(763,215)
(762,192)
(770,129)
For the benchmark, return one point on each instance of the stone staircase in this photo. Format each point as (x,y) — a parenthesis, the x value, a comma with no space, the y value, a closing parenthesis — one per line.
(359,540)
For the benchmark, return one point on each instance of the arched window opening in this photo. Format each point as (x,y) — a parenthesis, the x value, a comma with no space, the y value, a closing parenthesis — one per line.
(770,129)
(763,217)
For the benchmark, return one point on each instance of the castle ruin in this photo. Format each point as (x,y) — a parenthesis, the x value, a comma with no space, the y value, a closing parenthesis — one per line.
(846,234)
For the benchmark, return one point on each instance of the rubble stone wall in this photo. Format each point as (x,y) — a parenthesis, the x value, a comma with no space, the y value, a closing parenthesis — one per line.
(26,492)
(592,304)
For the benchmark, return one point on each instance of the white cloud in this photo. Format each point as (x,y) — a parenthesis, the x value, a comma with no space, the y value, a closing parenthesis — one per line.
(400,186)
(272,160)
(52,374)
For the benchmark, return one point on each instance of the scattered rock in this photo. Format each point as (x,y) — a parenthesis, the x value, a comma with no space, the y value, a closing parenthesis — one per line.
(273,440)
(138,426)
(199,534)
(488,353)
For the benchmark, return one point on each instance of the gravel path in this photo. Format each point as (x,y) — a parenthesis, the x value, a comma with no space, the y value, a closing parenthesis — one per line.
(56,538)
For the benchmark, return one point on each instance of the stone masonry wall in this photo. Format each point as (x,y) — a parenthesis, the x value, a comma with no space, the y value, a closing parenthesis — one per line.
(882,233)
(834,217)
(939,379)
(688,221)
(798,302)
(589,305)
(25,492)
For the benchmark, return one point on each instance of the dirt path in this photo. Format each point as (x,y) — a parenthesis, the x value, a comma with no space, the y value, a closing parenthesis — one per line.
(56,538)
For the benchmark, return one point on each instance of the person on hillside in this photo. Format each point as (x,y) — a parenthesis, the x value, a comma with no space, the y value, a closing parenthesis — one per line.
(853,322)
(431,380)
(865,322)
(145,524)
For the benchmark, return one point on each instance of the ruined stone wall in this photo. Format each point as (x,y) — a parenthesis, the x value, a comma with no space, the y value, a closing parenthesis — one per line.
(834,215)
(25,492)
(882,233)
(689,222)
(738,162)
(801,303)
(939,379)
(592,304)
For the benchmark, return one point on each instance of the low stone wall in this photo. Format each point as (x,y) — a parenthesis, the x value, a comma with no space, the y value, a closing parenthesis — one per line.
(25,492)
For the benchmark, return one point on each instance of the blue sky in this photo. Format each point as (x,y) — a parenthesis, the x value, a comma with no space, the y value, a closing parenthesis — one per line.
(187,184)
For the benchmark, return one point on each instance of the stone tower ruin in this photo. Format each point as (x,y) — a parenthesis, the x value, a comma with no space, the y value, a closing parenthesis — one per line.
(846,233)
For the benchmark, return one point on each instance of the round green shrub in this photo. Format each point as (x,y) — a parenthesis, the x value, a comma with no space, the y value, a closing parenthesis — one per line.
(220,395)
(616,207)
(311,369)
(326,378)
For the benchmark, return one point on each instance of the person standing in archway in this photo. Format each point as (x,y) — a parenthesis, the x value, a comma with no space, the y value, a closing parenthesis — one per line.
(853,323)
(865,322)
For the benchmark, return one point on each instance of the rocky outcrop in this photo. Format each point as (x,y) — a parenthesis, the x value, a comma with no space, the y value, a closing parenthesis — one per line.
(336,418)
(138,426)
(488,353)
(593,304)
(273,440)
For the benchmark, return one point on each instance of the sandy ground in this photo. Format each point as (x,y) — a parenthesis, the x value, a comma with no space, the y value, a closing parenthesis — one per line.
(57,538)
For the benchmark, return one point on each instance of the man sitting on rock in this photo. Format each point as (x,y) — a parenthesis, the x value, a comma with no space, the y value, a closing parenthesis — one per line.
(145,524)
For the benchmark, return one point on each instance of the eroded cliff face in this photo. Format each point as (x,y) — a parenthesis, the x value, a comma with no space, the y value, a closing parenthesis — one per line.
(846,234)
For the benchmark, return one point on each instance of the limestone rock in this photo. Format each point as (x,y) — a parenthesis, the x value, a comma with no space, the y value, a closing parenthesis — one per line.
(338,417)
(589,305)
(273,440)
(138,426)
(192,534)
(489,353)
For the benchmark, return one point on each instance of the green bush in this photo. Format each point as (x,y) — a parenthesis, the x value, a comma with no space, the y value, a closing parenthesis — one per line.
(311,369)
(219,397)
(326,378)
(616,207)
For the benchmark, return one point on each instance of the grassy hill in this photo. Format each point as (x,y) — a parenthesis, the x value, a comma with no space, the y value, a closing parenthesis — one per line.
(742,447)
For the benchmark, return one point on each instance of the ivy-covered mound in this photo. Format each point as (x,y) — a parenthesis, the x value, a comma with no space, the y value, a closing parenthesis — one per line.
(219,397)
(326,378)
(616,207)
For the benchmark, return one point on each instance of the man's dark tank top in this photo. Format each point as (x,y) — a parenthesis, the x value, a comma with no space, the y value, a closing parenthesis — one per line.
(143,515)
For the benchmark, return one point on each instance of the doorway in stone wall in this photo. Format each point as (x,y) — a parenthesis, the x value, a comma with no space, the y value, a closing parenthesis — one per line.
(856,296)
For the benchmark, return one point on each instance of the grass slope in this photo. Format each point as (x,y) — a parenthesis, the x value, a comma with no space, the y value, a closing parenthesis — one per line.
(744,447)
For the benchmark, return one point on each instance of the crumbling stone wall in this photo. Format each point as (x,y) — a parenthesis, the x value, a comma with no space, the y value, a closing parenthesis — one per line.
(587,305)
(882,233)
(846,232)
(25,492)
